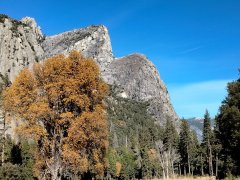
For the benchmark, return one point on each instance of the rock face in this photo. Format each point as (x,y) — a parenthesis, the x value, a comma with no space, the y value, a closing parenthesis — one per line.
(141,81)
(22,44)
(137,75)
(93,42)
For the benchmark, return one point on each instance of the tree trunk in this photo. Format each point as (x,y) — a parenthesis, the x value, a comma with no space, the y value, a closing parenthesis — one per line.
(210,159)
(55,176)
(189,167)
(167,163)
(3,152)
(3,147)
(202,164)
(192,170)
(161,159)
(173,170)
(216,173)
(180,171)
(3,136)
(163,174)
(55,163)
(184,170)
(55,170)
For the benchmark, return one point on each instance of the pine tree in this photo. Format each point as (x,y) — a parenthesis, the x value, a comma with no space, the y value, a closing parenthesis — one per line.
(170,137)
(217,147)
(184,147)
(188,149)
(18,160)
(207,131)
(207,142)
(193,151)
(127,161)
(228,129)
(170,142)
(115,166)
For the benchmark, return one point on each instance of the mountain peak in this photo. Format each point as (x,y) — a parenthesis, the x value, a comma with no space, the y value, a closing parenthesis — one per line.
(92,41)
(33,24)
(140,80)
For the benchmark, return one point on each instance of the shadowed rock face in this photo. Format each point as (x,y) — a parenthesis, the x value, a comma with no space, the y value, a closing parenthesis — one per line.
(140,80)
(137,76)
(22,44)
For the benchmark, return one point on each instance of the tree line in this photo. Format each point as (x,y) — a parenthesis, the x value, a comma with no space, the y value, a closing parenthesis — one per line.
(218,153)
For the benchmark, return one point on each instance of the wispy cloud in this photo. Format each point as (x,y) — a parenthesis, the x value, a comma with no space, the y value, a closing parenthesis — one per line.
(193,99)
(190,50)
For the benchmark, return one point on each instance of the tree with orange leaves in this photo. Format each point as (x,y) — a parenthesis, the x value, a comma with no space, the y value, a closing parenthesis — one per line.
(60,104)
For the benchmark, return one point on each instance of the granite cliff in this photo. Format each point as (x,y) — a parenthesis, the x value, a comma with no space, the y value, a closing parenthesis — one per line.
(140,80)
(22,44)
(92,41)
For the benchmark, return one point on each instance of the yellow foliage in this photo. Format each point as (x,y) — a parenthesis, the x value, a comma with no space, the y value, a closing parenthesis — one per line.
(61,104)
(99,169)
(152,154)
(118,168)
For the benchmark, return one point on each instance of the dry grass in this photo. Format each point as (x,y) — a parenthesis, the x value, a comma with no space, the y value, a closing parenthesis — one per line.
(192,178)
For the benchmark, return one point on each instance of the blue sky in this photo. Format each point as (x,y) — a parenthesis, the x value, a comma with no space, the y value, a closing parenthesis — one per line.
(195,44)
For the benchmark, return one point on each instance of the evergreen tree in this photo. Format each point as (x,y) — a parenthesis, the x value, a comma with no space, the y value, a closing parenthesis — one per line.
(207,131)
(127,163)
(114,164)
(170,136)
(170,142)
(184,146)
(228,129)
(207,142)
(19,160)
(188,150)
(133,134)
(194,152)
(216,152)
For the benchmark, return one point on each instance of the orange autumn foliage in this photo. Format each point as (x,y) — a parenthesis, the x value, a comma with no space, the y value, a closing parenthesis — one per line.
(61,104)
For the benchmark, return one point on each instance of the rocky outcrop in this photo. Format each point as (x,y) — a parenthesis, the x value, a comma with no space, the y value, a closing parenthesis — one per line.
(140,81)
(93,42)
(30,22)
(22,44)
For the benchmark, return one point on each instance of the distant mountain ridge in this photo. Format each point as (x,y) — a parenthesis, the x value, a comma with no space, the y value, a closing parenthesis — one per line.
(196,124)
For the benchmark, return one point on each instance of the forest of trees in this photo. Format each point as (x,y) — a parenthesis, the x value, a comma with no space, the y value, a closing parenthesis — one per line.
(218,153)
(75,126)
